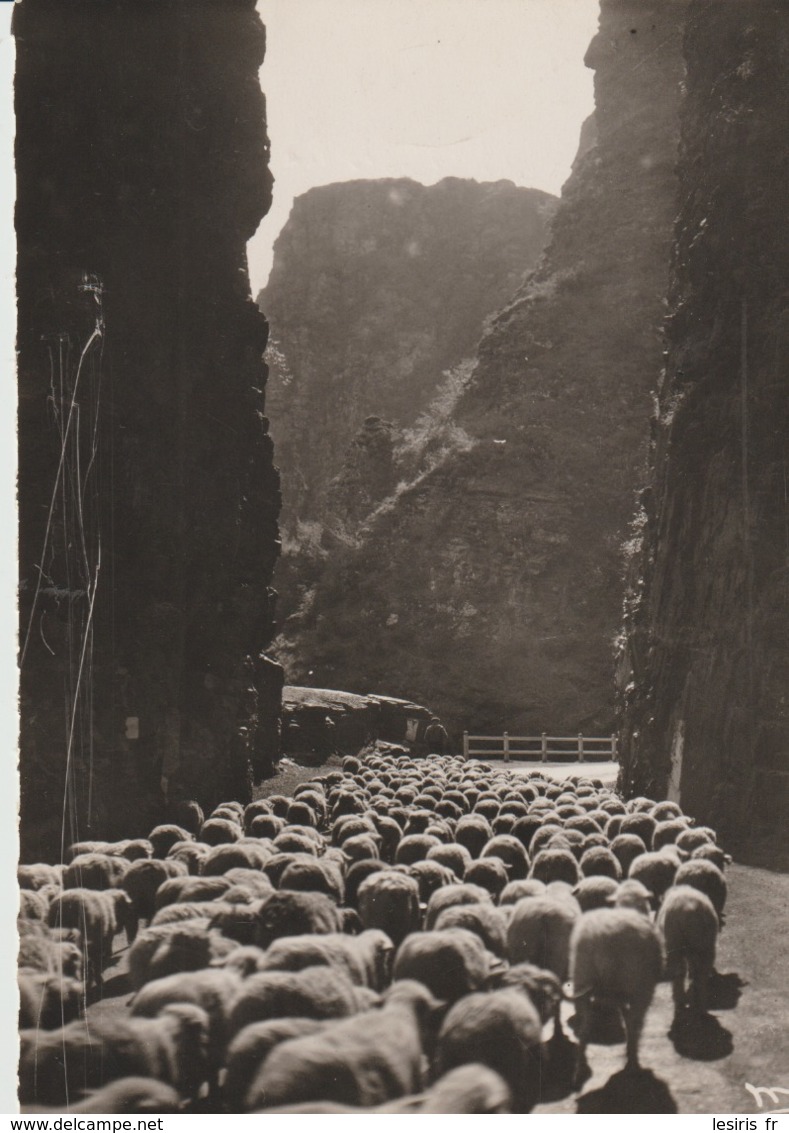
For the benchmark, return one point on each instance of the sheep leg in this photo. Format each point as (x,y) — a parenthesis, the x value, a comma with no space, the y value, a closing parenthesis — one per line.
(700,970)
(633,1015)
(583,1029)
(675,969)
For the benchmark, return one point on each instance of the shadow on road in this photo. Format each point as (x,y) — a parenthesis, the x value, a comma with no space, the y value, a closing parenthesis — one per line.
(629,1091)
(724,991)
(557,1066)
(701,1037)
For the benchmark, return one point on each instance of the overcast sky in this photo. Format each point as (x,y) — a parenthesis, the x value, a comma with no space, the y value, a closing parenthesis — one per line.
(426,89)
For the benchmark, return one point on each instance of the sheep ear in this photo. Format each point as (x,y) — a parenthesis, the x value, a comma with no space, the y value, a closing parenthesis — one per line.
(609,900)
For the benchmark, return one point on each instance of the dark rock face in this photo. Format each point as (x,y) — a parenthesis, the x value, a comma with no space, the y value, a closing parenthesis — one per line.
(147,493)
(377,288)
(491,585)
(704,664)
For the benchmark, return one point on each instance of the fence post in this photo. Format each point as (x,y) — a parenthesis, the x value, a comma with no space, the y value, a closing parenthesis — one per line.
(613,746)
(580,748)
(465,745)
(544,747)
(506,739)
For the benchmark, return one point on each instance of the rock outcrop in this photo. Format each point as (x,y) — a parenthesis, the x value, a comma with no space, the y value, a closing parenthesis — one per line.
(377,288)
(490,586)
(704,666)
(147,493)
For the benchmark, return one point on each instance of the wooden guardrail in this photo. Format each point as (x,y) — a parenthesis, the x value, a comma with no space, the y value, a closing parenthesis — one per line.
(542,748)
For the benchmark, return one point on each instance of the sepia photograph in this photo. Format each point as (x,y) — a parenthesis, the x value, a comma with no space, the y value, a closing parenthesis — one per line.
(398,474)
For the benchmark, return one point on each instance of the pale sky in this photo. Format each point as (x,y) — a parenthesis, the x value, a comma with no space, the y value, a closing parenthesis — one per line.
(426,89)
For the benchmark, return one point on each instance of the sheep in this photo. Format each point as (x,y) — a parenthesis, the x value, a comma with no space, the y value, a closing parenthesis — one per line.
(191,889)
(688,922)
(365,959)
(247,884)
(294,842)
(266,826)
(713,854)
(311,992)
(45,952)
(95,914)
(220,831)
(213,990)
(223,857)
(595,892)
(250,1048)
(655,870)
(488,922)
(127,1095)
(189,911)
(37,876)
(542,987)
(363,1061)
(631,894)
(488,873)
(600,862)
(451,962)
(237,922)
(690,840)
(314,877)
(54,1065)
(511,852)
(188,814)
(616,956)
(555,865)
(141,882)
(626,848)
(165,949)
(33,905)
(190,853)
(708,879)
(164,837)
(640,823)
(539,933)
(361,847)
(48,1001)
(95,871)
(448,895)
(514,890)
(294,913)
(501,1030)
(357,873)
(473,831)
(390,901)
(453,855)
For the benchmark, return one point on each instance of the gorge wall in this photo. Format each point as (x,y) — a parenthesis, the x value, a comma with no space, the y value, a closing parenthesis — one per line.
(704,667)
(148,498)
(490,585)
(377,288)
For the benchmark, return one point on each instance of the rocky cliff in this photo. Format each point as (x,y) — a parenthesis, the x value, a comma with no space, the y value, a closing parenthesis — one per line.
(377,288)
(490,586)
(147,494)
(704,667)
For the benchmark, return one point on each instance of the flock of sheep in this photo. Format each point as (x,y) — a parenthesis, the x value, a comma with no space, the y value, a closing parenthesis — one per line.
(397,937)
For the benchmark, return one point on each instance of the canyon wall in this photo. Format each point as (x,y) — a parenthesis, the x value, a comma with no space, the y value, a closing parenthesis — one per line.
(378,288)
(148,497)
(490,584)
(704,664)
